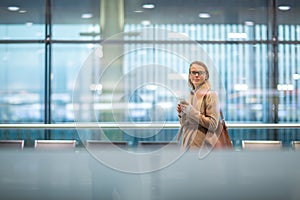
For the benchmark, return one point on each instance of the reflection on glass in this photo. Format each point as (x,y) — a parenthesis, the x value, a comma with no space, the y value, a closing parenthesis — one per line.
(233,33)
(21,20)
(21,83)
(76,21)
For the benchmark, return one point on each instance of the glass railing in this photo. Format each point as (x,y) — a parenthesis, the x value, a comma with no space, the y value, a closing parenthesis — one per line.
(133,133)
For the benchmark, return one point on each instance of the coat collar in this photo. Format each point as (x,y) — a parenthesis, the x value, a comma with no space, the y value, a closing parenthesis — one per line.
(202,91)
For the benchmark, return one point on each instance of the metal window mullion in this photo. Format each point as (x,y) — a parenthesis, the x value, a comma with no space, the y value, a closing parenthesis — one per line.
(273,60)
(48,34)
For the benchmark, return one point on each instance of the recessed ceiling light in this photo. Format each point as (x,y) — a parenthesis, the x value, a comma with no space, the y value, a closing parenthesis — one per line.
(204,15)
(86,16)
(284,7)
(148,6)
(138,11)
(22,11)
(13,8)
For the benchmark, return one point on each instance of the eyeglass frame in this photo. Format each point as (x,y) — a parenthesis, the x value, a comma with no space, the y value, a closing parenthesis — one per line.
(200,72)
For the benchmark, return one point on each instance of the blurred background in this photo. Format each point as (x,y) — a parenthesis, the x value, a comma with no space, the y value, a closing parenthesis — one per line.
(45,45)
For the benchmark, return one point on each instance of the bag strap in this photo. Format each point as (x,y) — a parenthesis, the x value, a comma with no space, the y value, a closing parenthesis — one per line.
(221,114)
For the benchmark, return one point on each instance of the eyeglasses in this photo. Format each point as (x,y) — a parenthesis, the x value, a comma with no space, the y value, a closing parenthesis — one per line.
(197,73)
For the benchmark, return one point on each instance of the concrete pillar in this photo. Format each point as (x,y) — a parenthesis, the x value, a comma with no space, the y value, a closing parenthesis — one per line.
(111,17)
(112,25)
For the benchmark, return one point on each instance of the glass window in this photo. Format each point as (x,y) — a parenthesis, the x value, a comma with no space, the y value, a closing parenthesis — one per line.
(76,20)
(288,13)
(144,54)
(67,62)
(22,20)
(22,83)
(288,60)
(202,20)
(288,25)
(288,83)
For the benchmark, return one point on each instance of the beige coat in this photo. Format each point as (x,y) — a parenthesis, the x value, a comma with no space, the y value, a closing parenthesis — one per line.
(199,125)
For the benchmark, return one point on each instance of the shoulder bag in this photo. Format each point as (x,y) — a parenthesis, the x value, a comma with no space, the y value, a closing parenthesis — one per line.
(224,141)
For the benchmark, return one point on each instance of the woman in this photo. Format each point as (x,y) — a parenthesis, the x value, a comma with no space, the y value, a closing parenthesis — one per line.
(199,116)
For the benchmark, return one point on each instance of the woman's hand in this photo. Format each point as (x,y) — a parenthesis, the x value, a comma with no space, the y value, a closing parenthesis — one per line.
(185,107)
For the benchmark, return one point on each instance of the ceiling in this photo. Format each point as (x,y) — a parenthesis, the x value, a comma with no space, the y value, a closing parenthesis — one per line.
(165,11)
